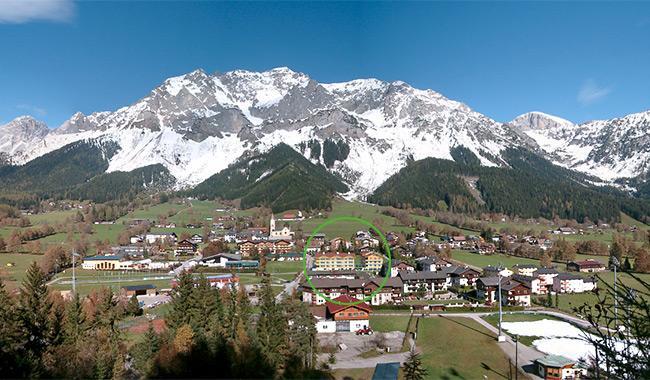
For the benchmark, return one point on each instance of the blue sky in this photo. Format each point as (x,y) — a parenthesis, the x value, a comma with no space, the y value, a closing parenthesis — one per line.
(580,61)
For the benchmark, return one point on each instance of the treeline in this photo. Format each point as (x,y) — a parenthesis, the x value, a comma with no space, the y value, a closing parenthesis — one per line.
(122,185)
(42,336)
(11,217)
(530,187)
(214,333)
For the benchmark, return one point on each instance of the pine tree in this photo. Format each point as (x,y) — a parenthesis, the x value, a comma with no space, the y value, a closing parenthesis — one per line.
(549,299)
(34,309)
(413,369)
(618,250)
(10,338)
(133,307)
(271,326)
(75,320)
(204,303)
(182,301)
(627,266)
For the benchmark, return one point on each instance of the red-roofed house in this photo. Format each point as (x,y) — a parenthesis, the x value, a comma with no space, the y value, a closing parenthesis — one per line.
(342,318)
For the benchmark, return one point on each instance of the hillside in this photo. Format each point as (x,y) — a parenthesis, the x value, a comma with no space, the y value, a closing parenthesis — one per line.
(280,178)
(118,185)
(532,186)
(58,170)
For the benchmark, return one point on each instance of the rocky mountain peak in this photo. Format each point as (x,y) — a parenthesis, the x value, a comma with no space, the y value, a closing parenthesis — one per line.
(539,121)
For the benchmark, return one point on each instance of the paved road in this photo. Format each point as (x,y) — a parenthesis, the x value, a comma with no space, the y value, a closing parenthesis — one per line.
(526,355)
(357,362)
(187,265)
(291,287)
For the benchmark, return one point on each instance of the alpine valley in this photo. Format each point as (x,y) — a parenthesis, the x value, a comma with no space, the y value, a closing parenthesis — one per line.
(281,139)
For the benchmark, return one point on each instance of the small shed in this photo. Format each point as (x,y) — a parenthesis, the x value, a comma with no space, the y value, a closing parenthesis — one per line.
(139,290)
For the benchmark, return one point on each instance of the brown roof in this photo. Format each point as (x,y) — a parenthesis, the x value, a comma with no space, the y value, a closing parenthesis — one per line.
(333,308)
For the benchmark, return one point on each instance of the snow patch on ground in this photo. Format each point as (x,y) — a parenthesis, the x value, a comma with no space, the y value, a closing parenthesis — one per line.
(556,337)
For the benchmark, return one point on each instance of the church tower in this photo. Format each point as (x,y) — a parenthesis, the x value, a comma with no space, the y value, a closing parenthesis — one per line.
(272,225)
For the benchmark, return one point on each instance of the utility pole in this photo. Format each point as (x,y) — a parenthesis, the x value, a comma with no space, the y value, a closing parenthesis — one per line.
(516,357)
(74,277)
(500,337)
(615,263)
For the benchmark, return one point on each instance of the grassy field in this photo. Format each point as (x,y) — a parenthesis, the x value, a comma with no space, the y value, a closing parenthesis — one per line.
(481,261)
(153,212)
(284,266)
(12,276)
(345,229)
(52,217)
(460,348)
(389,323)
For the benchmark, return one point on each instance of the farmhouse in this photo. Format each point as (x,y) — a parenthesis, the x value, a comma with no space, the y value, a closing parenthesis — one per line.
(184,248)
(333,317)
(588,265)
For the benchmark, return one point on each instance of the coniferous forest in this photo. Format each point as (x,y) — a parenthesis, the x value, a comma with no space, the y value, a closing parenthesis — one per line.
(530,187)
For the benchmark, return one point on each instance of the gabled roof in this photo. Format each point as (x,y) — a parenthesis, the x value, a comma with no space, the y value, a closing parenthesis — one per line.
(139,287)
(426,275)
(333,308)
(555,361)
(569,276)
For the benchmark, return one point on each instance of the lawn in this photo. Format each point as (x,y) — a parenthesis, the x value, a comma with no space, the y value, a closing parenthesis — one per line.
(86,288)
(389,323)
(474,259)
(12,276)
(460,348)
(285,266)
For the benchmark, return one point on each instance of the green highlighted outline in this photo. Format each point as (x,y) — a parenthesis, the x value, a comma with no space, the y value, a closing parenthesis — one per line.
(348,219)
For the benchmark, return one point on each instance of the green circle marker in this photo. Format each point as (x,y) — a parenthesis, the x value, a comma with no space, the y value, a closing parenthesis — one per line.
(348,219)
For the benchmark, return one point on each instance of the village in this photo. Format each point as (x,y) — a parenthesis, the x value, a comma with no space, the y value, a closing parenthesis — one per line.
(345,279)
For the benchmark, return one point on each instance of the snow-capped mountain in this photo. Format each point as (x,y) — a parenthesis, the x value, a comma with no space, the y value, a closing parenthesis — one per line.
(197,124)
(608,149)
(19,135)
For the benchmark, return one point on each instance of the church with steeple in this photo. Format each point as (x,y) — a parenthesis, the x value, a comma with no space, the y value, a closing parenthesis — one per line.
(283,234)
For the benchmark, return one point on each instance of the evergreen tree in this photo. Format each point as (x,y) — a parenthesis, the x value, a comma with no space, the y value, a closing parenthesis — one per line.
(182,301)
(618,250)
(549,299)
(413,369)
(34,314)
(627,266)
(203,303)
(75,320)
(10,339)
(133,307)
(271,326)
